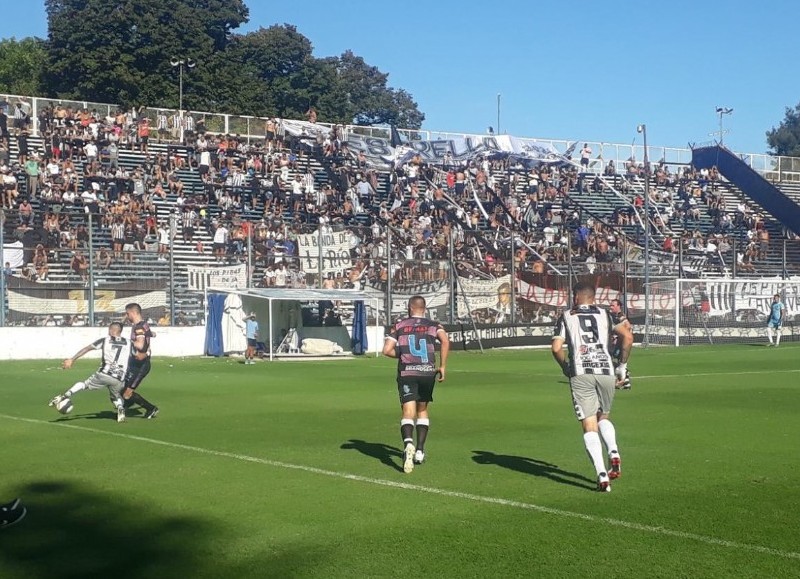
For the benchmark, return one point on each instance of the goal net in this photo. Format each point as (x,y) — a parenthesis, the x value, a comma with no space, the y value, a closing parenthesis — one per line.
(715,311)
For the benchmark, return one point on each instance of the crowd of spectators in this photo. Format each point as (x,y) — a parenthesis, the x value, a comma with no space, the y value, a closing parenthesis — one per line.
(264,193)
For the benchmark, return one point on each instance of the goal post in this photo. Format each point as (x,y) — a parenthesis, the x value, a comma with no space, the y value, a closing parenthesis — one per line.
(718,310)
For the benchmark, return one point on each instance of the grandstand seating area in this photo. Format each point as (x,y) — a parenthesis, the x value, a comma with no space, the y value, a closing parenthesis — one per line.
(266,193)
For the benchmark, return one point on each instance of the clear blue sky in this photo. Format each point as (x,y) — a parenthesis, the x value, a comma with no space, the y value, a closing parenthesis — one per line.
(578,70)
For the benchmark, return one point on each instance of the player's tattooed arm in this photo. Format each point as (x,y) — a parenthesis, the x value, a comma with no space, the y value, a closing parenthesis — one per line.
(626,341)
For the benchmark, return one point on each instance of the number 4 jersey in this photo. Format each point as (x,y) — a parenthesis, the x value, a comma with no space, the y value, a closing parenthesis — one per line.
(587,330)
(416,340)
(115,355)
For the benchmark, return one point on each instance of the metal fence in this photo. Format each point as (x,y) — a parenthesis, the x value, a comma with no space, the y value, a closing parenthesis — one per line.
(89,283)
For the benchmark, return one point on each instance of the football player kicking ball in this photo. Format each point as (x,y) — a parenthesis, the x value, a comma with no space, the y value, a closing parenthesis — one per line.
(111,374)
(587,330)
(412,341)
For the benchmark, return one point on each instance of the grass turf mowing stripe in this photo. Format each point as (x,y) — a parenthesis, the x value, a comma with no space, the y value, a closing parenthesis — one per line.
(430,490)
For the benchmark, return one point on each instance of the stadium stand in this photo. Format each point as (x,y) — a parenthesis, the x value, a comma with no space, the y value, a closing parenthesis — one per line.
(218,197)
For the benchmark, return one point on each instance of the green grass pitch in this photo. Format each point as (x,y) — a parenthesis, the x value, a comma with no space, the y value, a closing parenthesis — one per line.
(292,469)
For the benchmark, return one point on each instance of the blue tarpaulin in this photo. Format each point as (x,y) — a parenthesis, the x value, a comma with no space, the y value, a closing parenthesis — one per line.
(214,345)
(359,336)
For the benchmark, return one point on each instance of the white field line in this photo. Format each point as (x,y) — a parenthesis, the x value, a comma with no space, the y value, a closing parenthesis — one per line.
(433,491)
(652,377)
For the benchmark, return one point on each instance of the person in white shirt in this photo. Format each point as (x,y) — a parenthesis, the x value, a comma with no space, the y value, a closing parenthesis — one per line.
(220,242)
(163,241)
(280,276)
(90,149)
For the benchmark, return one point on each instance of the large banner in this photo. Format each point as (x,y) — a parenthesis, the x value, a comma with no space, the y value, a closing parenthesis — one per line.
(27,298)
(220,277)
(437,297)
(487,300)
(335,252)
(754,295)
(381,154)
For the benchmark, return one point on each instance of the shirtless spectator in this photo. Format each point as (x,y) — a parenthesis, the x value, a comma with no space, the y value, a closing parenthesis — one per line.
(80,266)
(40,263)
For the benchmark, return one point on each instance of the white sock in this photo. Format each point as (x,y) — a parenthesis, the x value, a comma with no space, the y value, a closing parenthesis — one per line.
(609,434)
(769,334)
(77,387)
(777,337)
(594,448)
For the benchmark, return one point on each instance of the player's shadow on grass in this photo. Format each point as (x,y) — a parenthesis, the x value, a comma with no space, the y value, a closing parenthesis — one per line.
(102,415)
(75,531)
(534,467)
(383,452)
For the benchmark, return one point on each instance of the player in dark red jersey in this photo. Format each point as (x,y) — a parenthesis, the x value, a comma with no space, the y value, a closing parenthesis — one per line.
(139,365)
(412,341)
(619,317)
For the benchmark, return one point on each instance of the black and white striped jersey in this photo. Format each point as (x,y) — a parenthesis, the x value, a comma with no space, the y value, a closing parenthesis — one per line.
(115,355)
(587,331)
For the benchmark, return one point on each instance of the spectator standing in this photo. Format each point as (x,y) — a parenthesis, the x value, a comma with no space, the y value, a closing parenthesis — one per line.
(220,242)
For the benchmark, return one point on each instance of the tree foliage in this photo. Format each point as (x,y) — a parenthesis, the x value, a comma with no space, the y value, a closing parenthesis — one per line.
(120,51)
(21,65)
(785,139)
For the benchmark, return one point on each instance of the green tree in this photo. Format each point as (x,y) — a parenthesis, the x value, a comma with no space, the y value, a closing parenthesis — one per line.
(785,139)
(120,52)
(21,65)
(372,102)
(109,51)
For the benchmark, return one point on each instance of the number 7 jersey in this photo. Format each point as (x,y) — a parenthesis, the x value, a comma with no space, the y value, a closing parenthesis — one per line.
(587,331)
(116,353)
(416,341)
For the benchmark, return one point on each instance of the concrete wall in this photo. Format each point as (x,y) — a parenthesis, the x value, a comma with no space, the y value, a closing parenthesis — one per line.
(60,343)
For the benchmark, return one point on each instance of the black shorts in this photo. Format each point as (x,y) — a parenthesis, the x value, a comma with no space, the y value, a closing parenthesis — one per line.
(252,343)
(415,388)
(137,371)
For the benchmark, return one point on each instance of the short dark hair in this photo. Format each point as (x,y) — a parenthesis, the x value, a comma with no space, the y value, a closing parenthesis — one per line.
(116,325)
(585,289)
(133,306)
(417,302)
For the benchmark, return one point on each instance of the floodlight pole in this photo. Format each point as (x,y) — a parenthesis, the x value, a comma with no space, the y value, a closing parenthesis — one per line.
(180,63)
(91,271)
(643,129)
(172,229)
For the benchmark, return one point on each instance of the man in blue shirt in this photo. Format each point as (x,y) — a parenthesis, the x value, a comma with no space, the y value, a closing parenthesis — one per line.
(251,333)
(775,321)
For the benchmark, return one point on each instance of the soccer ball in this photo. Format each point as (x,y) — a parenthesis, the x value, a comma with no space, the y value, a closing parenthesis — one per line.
(65,406)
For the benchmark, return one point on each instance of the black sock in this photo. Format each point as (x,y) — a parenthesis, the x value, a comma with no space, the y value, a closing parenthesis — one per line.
(422,432)
(407,432)
(141,401)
